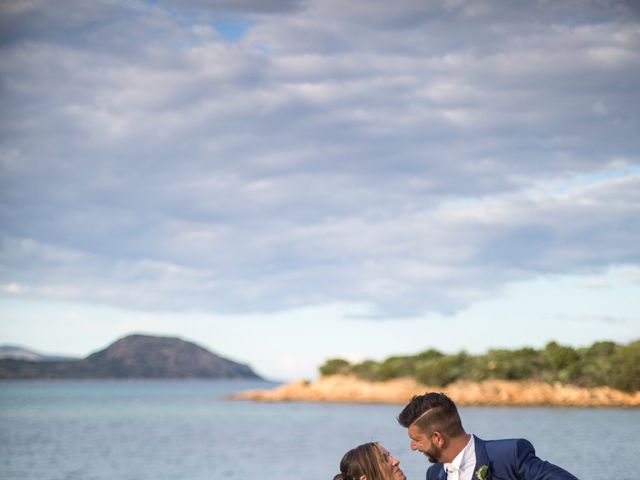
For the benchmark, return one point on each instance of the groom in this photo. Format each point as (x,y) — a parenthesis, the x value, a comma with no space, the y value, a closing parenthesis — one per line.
(435,429)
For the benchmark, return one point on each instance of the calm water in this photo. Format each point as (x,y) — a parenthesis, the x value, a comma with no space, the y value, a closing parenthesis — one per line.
(155,430)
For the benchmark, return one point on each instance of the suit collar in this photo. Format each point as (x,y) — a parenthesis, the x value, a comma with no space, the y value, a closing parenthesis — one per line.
(481,459)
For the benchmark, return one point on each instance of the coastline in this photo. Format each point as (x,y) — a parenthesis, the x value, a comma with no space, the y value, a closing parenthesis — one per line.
(349,389)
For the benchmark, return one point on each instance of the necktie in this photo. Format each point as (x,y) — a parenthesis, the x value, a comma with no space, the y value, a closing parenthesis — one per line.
(453,473)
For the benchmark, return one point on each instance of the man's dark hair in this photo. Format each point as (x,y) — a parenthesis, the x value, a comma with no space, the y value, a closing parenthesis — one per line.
(432,412)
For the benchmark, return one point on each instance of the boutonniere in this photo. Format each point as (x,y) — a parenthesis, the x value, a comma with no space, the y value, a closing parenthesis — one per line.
(483,472)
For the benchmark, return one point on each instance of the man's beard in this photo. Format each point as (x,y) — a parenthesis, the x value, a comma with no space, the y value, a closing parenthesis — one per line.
(434,455)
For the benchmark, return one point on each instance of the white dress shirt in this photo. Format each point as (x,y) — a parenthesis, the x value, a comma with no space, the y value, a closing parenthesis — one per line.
(461,467)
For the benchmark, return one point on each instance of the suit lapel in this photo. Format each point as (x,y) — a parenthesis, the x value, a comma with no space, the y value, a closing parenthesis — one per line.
(481,457)
(440,474)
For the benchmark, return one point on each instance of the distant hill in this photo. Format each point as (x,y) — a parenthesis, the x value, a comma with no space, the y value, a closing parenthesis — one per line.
(20,353)
(135,356)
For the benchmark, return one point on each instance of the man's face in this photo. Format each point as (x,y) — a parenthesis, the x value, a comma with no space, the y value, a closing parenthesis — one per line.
(421,442)
(391,466)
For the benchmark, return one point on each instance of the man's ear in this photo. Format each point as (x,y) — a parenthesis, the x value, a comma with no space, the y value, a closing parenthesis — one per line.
(439,439)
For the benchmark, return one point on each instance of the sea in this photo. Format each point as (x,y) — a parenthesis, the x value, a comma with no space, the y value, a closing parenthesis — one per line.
(189,430)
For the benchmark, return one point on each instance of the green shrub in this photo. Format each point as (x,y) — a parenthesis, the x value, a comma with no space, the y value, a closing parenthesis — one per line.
(368,370)
(625,368)
(603,363)
(442,371)
(335,366)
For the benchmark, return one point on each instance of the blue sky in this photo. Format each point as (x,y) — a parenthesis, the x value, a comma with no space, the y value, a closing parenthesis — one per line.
(286,181)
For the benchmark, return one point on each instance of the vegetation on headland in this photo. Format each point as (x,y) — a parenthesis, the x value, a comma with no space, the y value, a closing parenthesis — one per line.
(603,364)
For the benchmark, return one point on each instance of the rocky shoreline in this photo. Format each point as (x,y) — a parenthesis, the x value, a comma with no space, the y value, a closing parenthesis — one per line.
(349,389)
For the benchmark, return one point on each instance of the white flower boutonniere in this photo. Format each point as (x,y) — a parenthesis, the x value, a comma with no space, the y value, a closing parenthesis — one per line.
(483,472)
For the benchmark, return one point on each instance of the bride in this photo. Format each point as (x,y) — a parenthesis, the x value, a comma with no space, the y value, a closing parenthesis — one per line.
(369,461)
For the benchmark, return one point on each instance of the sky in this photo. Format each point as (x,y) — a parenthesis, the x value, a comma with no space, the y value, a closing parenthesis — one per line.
(286,181)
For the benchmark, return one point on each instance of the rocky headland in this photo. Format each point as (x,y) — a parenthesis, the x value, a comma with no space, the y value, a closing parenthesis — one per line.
(350,389)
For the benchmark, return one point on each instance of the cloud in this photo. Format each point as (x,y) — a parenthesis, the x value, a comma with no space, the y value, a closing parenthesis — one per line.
(395,156)
(432,259)
(238,6)
(610,320)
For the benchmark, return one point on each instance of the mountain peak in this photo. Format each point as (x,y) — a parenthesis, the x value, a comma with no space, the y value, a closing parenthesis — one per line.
(136,356)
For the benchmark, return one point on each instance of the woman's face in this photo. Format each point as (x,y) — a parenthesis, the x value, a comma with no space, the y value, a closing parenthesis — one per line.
(391,466)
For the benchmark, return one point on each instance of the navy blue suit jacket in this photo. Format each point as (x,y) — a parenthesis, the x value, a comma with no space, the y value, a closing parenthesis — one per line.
(508,460)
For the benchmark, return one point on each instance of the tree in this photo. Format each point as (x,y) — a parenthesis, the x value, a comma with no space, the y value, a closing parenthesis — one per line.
(625,367)
(442,371)
(335,366)
(564,362)
(369,370)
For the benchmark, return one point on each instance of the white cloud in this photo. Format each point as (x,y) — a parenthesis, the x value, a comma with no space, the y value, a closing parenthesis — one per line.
(12,288)
(406,156)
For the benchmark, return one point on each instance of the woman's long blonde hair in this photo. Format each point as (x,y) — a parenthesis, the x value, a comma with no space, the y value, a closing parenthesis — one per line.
(365,459)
